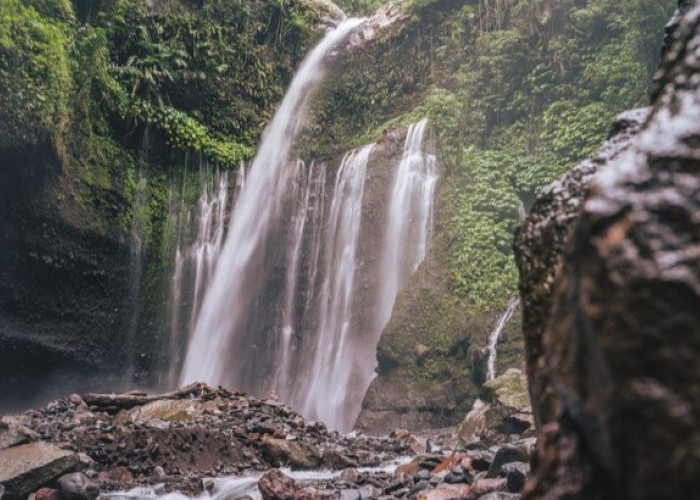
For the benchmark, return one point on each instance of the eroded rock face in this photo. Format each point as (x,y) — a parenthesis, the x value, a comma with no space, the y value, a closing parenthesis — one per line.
(617,397)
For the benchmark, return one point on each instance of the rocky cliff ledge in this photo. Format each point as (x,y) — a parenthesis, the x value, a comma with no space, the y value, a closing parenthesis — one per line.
(609,276)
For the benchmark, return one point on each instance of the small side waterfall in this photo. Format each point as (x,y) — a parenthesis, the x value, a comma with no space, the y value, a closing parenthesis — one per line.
(410,219)
(331,370)
(496,333)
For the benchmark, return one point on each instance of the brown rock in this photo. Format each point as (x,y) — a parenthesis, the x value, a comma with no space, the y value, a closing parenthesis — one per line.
(176,410)
(274,485)
(297,455)
(47,494)
(447,492)
(485,486)
(409,469)
(452,461)
(118,474)
(539,250)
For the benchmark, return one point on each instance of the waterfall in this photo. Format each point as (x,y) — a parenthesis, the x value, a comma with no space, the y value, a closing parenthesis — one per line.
(297,302)
(242,267)
(331,355)
(410,219)
(195,260)
(496,333)
(308,192)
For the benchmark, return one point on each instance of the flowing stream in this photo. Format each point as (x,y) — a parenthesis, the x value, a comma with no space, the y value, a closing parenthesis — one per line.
(234,487)
(496,334)
(307,276)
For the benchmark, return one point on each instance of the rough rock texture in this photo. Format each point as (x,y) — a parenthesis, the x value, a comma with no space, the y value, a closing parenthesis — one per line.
(274,485)
(505,410)
(231,434)
(77,486)
(25,468)
(64,287)
(619,394)
(539,248)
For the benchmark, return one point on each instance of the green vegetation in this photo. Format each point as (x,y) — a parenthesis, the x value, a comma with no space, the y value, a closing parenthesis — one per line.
(533,87)
(135,98)
(35,72)
(518,91)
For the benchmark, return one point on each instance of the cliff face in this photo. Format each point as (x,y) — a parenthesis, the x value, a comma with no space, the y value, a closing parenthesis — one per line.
(64,288)
(112,114)
(613,303)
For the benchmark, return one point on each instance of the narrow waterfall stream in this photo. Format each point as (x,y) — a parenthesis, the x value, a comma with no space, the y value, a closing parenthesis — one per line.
(330,365)
(281,314)
(496,334)
(194,262)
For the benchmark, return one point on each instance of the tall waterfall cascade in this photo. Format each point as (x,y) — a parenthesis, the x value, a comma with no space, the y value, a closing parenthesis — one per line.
(496,334)
(285,310)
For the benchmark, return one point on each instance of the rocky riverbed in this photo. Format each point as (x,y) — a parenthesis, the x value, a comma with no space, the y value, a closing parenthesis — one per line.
(202,441)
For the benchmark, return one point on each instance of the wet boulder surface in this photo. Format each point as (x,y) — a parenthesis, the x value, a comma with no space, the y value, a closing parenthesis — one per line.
(610,276)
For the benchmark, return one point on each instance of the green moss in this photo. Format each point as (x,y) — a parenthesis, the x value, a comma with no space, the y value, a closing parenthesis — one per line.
(35,70)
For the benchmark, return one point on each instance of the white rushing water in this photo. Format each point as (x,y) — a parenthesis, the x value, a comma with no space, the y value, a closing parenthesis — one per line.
(240,268)
(495,335)
(410,219)
(297,300)
(195,260)
(226,488)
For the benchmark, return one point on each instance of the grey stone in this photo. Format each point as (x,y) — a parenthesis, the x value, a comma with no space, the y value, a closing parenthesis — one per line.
(505,455)
(25,468)
(351,494)
(77,486)
(13,433)
(422,475)
(499,495)
(515,473)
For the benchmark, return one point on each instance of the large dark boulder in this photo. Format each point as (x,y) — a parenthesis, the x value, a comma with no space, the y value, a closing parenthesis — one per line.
(539,248)
(611,294)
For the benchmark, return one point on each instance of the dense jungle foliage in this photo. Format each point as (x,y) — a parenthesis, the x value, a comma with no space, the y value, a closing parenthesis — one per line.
(530,88)
(518,92)
(133,97)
